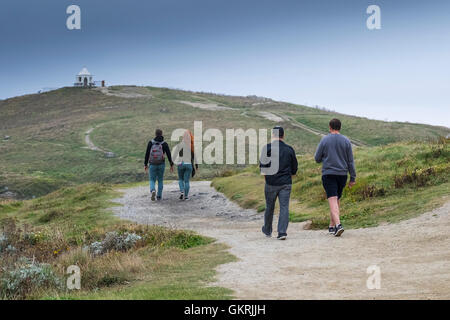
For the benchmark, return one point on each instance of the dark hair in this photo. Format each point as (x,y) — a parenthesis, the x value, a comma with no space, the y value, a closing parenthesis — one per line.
(335,124)
(158,132)
(278,132)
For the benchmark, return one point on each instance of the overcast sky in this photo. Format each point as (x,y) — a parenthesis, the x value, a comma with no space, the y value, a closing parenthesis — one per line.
(309,52)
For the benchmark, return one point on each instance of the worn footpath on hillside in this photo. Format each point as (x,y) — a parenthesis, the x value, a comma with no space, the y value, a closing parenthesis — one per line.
(413,255)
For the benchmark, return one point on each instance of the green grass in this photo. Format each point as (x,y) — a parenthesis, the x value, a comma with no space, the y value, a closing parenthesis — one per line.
(372,132)
(395,182)
(46,150)
(174,275)
(168,264)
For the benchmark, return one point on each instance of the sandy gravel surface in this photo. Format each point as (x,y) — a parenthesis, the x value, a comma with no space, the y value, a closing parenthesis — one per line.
(206,106)
(270,116)
(413,256)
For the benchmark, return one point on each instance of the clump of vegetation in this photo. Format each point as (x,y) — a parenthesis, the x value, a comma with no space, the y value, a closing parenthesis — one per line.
(114,241)
(417,177)
(27,277)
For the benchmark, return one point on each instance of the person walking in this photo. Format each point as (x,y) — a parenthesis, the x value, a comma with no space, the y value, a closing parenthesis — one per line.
(335,153)
(186,164)
(157,149)
(278,174)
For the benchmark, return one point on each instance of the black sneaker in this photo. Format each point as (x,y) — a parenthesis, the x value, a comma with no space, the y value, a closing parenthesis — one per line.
(158,198)
(331,230)
(186,198)
(267,235)
(282,237)
(153,195)
(339,229)
(181,196)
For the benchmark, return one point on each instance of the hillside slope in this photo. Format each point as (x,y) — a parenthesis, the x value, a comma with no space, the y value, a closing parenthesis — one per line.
(47,149)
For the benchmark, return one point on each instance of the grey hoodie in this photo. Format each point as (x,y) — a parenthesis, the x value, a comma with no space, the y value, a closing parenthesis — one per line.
(335,151)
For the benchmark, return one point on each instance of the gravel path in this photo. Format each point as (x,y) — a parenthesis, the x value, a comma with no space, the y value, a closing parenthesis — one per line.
(206,106)
(413,255)
(87,140)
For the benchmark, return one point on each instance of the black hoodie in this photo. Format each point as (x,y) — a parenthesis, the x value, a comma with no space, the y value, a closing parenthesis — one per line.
(165,146)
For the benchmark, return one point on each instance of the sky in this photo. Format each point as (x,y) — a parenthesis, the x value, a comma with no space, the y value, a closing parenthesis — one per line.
(317,52)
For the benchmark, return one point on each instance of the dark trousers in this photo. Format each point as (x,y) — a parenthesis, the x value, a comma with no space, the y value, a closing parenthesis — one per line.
(283,193)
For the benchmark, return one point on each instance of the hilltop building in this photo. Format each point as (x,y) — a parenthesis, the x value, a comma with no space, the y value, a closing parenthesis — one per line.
(84,79)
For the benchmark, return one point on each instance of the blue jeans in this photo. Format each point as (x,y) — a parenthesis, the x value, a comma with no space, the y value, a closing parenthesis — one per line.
(157,173)
(184,176)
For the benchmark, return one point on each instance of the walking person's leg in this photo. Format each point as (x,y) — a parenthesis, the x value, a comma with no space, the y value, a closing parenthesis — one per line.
(270,193)
(332,223)
(187,179)
(152,178)
(341,182)
(160,177)
(334,185)
(330,185)
(283,220)
(334,209)
(180,170)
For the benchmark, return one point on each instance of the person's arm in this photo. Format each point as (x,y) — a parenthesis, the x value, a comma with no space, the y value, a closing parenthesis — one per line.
(319,152)
(147,154)
(294,163)
(265,153)
(194,159)
(166,150)
(351,163)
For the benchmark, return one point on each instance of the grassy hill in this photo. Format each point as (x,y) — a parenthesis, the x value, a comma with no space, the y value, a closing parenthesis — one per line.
(394,182)
(46,155)
(47,150)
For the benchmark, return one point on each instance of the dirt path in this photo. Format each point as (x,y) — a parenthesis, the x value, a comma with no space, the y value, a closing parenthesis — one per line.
(91,146)
(126,92)
(413,256)
(300,125)
(270,116)
(206,106)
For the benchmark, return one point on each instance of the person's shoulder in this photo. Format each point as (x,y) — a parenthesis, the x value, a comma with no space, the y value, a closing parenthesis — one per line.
(289,147)
(345,138)
(325,138)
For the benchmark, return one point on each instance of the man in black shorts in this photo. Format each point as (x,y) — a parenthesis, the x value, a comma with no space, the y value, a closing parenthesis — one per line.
(335,151)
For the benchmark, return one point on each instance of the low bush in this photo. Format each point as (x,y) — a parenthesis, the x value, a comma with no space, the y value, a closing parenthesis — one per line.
(114,241)
(26,278)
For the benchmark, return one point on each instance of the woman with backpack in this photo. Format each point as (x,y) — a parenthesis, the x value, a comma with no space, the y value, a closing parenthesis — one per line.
(157,148)
(187,165)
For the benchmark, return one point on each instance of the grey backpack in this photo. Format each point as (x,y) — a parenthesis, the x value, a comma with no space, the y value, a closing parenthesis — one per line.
(156,153)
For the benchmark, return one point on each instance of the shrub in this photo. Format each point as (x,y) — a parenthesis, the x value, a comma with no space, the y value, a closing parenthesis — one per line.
(418,177)
(26,278)
(4,242)
(114,241)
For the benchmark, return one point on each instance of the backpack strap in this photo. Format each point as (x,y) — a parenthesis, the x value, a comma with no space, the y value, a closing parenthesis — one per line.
(156,142)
